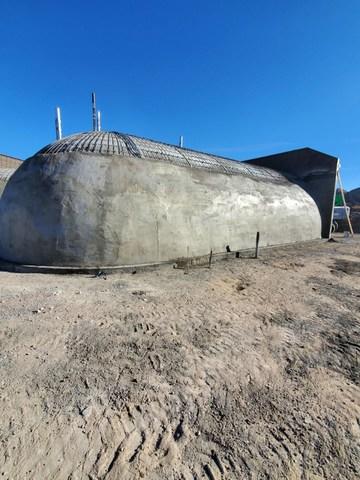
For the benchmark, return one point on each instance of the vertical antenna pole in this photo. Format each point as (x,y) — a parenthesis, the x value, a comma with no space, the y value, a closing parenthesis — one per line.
(99,121)
(93,101)
(58,124)
(181,141)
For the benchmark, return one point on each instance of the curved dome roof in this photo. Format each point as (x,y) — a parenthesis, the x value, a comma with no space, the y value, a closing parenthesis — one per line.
(105,143)
(115,143)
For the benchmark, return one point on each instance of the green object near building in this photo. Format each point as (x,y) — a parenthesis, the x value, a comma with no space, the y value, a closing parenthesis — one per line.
(338,200)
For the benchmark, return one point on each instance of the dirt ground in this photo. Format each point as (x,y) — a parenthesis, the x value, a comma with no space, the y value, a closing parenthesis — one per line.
(247,370)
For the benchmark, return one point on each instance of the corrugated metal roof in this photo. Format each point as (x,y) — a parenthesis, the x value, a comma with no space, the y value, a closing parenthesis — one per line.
(9,162)
(115,143)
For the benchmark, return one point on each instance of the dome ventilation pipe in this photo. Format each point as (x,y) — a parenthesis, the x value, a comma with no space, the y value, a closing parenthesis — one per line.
(58,124)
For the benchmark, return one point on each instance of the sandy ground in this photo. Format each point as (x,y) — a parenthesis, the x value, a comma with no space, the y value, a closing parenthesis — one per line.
(247,370)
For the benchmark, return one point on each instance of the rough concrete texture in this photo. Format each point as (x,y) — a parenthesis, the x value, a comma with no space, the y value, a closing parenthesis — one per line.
(5,174)
(8,165)
(83,209)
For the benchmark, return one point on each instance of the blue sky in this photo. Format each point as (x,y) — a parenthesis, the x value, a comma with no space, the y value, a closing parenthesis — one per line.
(238,78)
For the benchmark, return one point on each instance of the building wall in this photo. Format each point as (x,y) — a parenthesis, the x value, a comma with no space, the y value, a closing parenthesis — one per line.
(9,162)
(314,171)
(8,165)
(76,209)
(5,174)
(2,185)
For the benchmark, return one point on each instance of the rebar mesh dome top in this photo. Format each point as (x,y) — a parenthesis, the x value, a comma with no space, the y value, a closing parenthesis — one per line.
(115,143)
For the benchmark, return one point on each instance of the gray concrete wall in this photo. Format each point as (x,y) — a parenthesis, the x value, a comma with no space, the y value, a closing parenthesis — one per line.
(5,175)
(76,209)
(2,185)
(314,171)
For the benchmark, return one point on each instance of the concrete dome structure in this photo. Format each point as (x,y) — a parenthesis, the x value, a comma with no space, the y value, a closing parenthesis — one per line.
(108,199)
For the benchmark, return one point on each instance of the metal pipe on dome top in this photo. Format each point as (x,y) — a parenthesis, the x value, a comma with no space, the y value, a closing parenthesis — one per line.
(99,121)
(93,101)
(58,124)
(181,141)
